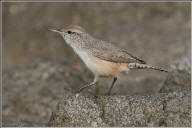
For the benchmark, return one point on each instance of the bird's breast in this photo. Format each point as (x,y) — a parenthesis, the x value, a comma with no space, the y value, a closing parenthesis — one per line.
(101,67)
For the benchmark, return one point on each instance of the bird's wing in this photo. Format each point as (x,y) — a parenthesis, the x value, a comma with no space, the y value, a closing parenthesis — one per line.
(109,52)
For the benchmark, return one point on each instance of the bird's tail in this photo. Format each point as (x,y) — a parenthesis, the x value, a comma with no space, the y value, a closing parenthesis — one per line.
(145,66)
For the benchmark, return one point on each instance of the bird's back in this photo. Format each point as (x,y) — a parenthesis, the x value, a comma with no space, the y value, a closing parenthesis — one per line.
(109,52)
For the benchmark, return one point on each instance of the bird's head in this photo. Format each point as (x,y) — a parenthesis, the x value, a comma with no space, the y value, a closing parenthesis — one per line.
(71,32)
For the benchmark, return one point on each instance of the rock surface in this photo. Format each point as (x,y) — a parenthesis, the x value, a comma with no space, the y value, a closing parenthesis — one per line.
(171,107)
(168,109)
(32,89)
(35,87)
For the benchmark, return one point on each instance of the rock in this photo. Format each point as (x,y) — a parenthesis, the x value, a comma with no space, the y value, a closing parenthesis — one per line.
(170,107)
(166,109)
(179,77)
(32,89)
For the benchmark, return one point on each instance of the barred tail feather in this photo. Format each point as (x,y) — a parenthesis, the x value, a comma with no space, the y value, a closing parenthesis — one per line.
(145,66)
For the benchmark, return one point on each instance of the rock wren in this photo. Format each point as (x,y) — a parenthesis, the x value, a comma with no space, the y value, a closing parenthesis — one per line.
(102,58)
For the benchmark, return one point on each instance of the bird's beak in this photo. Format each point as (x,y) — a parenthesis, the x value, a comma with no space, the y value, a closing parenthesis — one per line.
(55,30)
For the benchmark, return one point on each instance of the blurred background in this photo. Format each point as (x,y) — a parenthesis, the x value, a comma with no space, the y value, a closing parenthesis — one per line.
(155,32)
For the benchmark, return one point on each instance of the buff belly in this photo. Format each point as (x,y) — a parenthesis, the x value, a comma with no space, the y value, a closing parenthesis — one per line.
(102,67)
(106,68)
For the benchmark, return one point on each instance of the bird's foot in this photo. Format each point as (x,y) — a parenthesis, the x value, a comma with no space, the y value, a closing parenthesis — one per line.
(106,94)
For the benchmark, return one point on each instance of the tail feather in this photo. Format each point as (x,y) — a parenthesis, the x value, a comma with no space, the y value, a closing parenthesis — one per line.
(145,66)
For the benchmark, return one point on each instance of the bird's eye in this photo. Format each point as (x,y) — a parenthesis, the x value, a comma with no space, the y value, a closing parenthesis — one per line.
(69,32)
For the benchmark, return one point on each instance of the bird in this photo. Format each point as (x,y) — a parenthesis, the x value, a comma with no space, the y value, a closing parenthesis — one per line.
(102,58)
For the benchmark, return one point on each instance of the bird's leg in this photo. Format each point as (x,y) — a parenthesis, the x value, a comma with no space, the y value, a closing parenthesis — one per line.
(90,84)
(114,80)
(86,86)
